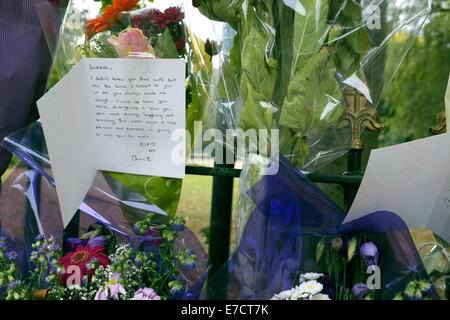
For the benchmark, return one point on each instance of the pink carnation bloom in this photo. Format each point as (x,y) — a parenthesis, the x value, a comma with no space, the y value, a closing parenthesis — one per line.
(146,294)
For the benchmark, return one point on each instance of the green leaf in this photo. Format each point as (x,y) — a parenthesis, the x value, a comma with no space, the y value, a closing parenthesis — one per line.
(164,192)
(346,12)
(309,32)
(313,98)
(257,112)
(235,57)
(221,10)
(255,70)
(358,41)
(165,47)
(345,58)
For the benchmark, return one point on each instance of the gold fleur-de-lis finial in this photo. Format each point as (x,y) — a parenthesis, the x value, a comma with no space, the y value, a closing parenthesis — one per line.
(358,114)
(441,125)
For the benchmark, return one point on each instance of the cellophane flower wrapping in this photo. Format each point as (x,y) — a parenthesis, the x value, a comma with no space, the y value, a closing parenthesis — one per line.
(285,237)
(29,203)
(311,75)
(290,66)
(29,208)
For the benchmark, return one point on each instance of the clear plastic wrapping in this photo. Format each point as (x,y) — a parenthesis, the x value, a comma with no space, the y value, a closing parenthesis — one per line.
(278,70)
(29,207)
(295,61)
(294,229)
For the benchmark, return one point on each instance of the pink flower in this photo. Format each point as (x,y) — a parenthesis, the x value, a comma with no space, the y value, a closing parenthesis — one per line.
(142,16)
(146,294)
(111,290)
(180,44)
(131,40)
(170,15)
(81,257)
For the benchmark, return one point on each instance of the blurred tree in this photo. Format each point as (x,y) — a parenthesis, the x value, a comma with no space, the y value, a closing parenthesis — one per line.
(416,95)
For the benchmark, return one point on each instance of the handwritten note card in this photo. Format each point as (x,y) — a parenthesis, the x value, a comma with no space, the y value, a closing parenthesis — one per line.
(115,115)
(410,179)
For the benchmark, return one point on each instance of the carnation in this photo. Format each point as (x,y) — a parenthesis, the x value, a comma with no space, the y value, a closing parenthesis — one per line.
(310,287)
(320,296)
(310,276)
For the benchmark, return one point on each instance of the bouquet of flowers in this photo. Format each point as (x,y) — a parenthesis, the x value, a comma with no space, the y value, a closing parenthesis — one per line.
(309,288)
(295,246)
(122,30)
(97,267)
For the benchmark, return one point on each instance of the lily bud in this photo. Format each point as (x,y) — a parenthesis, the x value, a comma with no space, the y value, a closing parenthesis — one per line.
(319,250)
(351,249)
(336,243)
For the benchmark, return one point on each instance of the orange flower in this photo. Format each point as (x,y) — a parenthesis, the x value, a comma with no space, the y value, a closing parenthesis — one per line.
(109,17)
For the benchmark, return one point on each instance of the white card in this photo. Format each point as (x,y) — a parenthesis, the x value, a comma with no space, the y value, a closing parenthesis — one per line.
(412,180)
(122,115)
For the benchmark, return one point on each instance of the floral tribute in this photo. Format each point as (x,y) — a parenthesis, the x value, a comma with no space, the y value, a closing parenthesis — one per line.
(347,260)
(97,267)
(138,31)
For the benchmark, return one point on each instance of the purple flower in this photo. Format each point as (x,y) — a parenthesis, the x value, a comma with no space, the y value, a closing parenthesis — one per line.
(177,224)
(360,290)
(12,255)
(369,252)
(94,242)
(42,249)
(13,284)
(153,237)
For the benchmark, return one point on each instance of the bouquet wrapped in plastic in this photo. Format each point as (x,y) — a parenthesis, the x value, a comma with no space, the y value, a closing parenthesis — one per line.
(124,244)
(119,246)
(291,69)
(302,65)
(295,247)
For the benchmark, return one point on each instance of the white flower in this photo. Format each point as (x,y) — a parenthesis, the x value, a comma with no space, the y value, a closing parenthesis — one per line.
(310,276)
(283,295)
(311,287)
(319,296)
(297,294)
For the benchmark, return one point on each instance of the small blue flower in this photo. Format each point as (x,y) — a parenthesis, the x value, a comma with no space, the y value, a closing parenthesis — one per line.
(177,224)
(40,237)
(12,255)
(13,284)
(55,247)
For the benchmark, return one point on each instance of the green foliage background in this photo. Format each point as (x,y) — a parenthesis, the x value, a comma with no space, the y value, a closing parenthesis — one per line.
(417,92)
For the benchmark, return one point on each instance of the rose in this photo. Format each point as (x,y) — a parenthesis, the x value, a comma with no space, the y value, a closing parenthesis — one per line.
(131,40)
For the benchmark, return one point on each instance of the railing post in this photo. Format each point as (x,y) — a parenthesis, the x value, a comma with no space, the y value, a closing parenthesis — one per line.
(219,242)
(353,169)
(220,227)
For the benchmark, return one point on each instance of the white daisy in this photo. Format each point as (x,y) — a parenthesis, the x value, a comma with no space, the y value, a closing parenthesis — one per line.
(311,287)
(283,295)
(319,296)
(297,294)
(310,276)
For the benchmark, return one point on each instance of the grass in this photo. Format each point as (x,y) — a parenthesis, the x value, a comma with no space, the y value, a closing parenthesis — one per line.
(14,162)
(195,206)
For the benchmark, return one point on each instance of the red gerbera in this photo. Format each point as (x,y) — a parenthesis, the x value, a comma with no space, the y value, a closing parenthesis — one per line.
(109,17)
(81,257)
